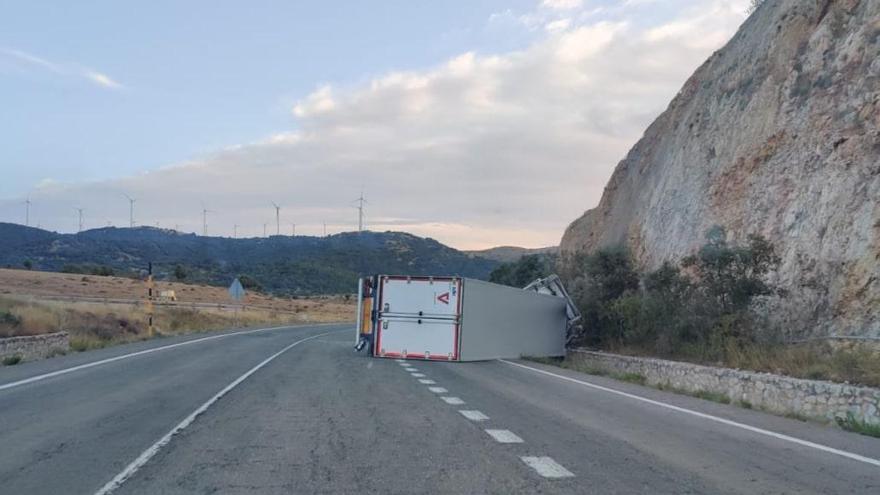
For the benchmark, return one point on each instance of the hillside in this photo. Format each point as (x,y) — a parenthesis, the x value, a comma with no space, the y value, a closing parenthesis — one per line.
(279,264)
(509,254)
(777,134)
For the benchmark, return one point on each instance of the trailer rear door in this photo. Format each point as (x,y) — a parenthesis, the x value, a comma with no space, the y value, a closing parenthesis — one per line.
(420,297)
(418,317)
(435,339)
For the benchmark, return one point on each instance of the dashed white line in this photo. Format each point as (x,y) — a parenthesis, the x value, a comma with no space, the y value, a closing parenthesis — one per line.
(455,401)
(424,381)
(133,354)
(400,360)
(504,436)
(411,370)
(418,375)
(474,415)
(786,438)
(438,390)
(547,467)
(148,454)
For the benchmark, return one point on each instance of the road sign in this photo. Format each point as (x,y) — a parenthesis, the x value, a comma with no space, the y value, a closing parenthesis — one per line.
(236,291)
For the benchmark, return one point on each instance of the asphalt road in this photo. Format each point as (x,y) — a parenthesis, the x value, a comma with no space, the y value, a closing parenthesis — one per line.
(295,410)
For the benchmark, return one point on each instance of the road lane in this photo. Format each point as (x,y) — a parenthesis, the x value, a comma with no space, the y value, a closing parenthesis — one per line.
(626,446)
(72,433)
(325,420)
(322,419)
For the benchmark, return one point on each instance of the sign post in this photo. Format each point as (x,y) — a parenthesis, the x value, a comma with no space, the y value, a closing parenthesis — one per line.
(236,293)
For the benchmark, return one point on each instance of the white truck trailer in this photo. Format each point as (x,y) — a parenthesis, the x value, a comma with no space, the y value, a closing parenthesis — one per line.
(457,319)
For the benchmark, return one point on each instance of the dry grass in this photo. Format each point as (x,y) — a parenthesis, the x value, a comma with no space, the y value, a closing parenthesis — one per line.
(71,287)
(97,324)
(854,363)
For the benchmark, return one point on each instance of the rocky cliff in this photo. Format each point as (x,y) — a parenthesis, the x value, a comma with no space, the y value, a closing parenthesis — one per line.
(778,133)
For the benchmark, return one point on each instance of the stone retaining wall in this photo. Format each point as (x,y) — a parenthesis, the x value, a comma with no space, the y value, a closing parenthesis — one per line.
(35,347)
(774,393)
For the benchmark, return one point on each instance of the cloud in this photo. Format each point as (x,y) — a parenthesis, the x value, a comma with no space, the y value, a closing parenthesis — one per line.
(562,4)
(478,151)
(86,73)
(102,80)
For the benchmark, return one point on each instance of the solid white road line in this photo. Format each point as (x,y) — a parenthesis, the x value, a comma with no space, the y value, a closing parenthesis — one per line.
(438,390)
(455,401)
(504,436)
(547,467)
(474,415)
(761,431)
(426,382)
(148,454)
(140,353)
(418,375)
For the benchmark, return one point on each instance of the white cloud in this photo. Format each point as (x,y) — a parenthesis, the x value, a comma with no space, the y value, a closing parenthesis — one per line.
(88,74)
(557,25)
(562,4)
(481,150)
(102,80)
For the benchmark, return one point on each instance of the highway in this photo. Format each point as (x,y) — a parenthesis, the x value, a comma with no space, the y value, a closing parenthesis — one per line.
(295,410)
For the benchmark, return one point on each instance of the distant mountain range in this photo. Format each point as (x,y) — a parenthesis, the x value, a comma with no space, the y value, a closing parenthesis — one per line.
(282,265)
(508,254)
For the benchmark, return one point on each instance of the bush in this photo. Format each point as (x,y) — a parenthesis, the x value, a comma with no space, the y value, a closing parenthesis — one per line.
(98,270)
(179,272)
(9,319)
(523,271)
(604,279)
(250,283)
(12,360)
(28,264)
(702,309)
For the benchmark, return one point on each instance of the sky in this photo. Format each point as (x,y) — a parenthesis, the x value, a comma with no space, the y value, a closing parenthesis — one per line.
(475,122)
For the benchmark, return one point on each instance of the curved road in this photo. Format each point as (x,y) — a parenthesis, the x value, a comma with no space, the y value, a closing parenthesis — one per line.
(295,410)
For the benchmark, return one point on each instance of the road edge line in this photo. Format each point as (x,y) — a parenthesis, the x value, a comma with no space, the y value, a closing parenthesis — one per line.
(83,366)
(728,422)
(151,451)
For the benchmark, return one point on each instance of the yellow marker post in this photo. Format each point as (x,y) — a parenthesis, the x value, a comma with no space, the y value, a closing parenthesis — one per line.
(149,303)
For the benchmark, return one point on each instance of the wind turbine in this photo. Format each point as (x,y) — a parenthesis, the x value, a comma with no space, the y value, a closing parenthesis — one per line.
(27,212)
(360,208)
(80,211)
(277,218)
(205,212)
(130,210)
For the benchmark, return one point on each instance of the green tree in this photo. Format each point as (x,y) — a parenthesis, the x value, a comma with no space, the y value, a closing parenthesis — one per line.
(597,281)
(733,275)
(523,271)
(28,264)
(179,272)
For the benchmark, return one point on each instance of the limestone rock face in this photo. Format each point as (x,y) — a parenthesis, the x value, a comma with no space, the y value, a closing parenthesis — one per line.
(777,134)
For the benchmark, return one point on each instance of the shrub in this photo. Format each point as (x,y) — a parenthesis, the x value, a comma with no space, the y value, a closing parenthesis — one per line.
(702,309)
(28,264)
(523,271)
(250,283)
(851,423)
(12,360)
(179,272)
(9,319)
(603,278)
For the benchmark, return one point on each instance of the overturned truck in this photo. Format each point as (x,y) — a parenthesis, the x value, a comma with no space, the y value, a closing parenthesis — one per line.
(461,319)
